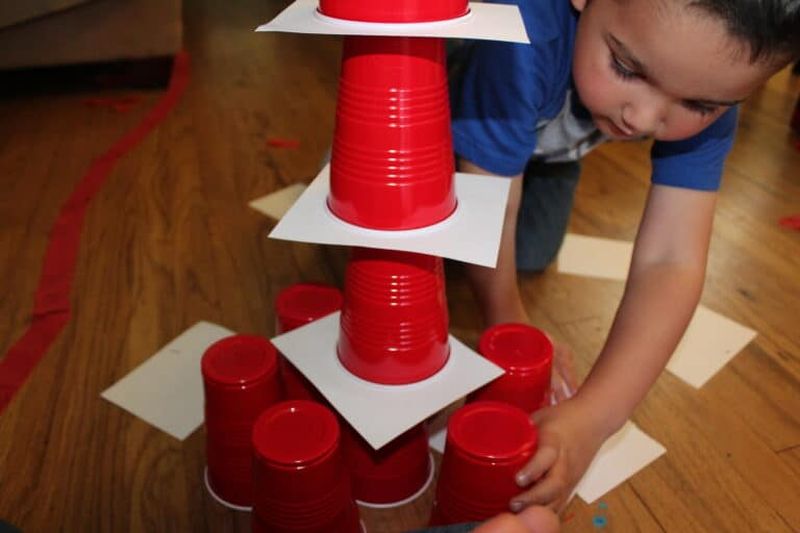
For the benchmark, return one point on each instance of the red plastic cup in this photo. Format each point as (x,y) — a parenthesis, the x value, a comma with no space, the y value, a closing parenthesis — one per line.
(302,303)
(526,354)
(392,161)
(240,379)
(393,327)
(392,475)
(394,11)
(487,444)
(301,480)
(295,306)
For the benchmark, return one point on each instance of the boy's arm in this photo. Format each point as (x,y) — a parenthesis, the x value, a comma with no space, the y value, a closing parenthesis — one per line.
(496,288)
(664,285)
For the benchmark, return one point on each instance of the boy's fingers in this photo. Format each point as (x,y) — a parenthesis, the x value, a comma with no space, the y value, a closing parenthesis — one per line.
(548,491)
(560,390)
(545,458)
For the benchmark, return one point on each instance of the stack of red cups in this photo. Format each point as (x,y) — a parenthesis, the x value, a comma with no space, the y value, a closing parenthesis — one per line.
(301,482)
(240,379)
(394,320)
(487,444)
(392,164)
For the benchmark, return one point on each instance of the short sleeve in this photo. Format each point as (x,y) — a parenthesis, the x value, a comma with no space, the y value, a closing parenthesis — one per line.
(696,162)
(496,107)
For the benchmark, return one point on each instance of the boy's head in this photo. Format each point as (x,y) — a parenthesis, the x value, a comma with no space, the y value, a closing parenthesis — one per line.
(668,68)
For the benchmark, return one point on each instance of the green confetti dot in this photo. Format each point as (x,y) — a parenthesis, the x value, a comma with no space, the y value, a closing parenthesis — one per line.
(602,505)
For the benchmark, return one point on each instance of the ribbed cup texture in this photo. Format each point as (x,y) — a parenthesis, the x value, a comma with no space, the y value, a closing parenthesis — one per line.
(394,11)
(240,380)
(392,163)
(394,321)
(391,474)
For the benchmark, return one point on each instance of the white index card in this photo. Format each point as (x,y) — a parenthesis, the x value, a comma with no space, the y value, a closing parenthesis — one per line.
(494,22)
(595,257)
(625,453)
(276,204)
(710,341)
(167,389)
(380,412)
(471,234)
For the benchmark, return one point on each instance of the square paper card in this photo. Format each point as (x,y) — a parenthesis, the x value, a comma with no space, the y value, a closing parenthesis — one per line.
(380,412)
(167,389)
(595,257)
(625,453)
(276,204)
(471,234)
(484,21)
(710,341)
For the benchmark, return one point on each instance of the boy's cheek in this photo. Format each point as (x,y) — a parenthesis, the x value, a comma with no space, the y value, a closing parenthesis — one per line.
(600,95)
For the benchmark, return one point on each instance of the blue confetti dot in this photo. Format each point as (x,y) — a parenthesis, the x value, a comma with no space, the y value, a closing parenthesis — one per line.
(599,521)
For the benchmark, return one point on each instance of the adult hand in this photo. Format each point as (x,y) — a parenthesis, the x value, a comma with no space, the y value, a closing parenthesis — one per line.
(535,519)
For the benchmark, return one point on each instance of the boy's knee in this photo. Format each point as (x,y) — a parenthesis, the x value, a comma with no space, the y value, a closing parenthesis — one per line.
(537,257)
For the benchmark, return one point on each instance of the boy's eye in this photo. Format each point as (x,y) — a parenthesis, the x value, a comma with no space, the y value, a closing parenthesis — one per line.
(621,70)
(700,109)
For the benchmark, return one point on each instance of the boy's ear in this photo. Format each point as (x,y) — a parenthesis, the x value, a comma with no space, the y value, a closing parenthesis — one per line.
(579,4)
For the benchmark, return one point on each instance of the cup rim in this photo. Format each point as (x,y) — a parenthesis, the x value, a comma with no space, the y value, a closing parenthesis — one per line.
(493,411)
(272,451)
(531,363)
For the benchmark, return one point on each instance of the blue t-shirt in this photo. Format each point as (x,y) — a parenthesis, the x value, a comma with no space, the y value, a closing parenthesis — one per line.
(507,91)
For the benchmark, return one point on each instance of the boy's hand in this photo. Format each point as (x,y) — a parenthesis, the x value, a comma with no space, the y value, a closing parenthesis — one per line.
(568,441)
(564,382)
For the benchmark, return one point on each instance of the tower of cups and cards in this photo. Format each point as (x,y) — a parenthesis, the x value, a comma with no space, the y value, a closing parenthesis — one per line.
(385,362)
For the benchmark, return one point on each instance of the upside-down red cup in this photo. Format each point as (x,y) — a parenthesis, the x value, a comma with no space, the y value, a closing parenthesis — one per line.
(299,473)
(394,11)
(240,380)
(526,354)
(393,327)
(392,161)
(295,306)
(487,444)
(392,475)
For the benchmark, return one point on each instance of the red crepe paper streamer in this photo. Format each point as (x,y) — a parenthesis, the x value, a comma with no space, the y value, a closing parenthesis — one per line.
(51,308)
(277,142)
(790,222)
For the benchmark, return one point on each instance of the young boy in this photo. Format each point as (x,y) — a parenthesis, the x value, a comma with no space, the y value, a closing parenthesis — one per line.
(673,70)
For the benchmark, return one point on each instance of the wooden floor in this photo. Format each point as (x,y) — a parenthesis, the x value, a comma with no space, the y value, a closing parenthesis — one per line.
(170,241)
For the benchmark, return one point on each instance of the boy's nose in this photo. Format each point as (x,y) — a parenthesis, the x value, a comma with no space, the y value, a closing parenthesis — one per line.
(643,119)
